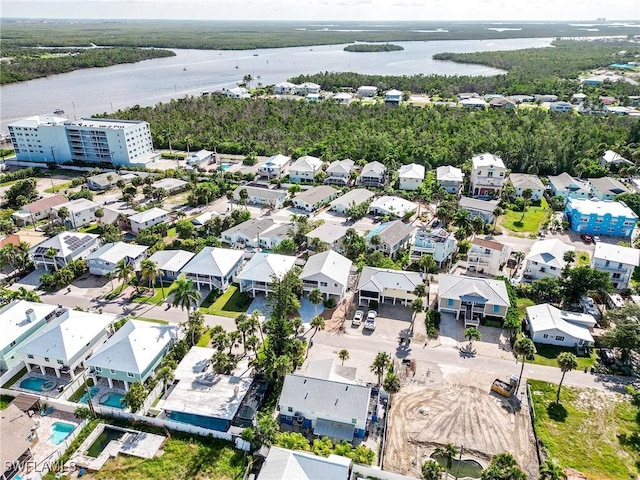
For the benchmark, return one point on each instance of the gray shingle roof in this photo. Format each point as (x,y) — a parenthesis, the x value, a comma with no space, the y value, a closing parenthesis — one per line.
(524,180)
(455,286)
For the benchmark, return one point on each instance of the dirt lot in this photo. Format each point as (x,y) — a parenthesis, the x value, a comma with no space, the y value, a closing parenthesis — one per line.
(458,410)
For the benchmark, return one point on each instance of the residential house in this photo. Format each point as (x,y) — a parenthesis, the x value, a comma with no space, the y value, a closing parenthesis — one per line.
(274,166)
(171,262)
(329,234)
(81,212)
(552,326)
(546,259)
(468,95)
(373,174)
(487,176)
(266,197)
(313,97)
(114,215)
(133,353)
(202,219)
(560,107)
(612,158)
(305,169)
(103,181)
(64,344)
(351,199)
(473,104)
(450,178)
(472,298)
(487,256)
(438,243)
(595,217)
(315,198)
(385,285)
(104,260)
(308,87)
(327,271)
(281,464)
(274,235)
(542,98)
(565,186)
(524,181)
(331,369)
(259,272)
(334,409)
(518,99)
(411,176)
(389,237)
(171,185)
(393,97)
(501,102)
(254,233)
(606,188)
(18,436)
(479,208)
(618,261)
(367,91)
(200,158)
(68,246)
(285,88)
(392,206)
(237,92)
(339,172)
(147,219)
(19,321)
(39,210)
(214,268)
(342,98)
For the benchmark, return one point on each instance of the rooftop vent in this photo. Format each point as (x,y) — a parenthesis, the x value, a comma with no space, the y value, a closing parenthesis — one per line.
(31,315)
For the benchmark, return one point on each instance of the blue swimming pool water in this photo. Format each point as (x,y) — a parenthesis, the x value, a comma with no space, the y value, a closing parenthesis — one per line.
(376,230)
(93,391)
(60,431)
(38,384)
(225,166)
(200,421)
(112,400)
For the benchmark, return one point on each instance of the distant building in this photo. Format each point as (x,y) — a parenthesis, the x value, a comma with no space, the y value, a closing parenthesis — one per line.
(81,212)
(367,91)
(147,219)
(473,104)
(308,87)
(393,97)
(274,166)
(199,158)
(411,176)
(560,107)
(103,181)
(171,185)
(315,198)
(618,261)
(339,172)
(38,210)
(285,88)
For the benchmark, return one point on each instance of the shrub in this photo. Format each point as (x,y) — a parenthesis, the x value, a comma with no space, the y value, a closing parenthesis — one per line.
(329,303)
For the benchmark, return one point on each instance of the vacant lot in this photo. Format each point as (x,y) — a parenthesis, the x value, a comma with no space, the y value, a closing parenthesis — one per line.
(532,221)
(461,411)
(584,432)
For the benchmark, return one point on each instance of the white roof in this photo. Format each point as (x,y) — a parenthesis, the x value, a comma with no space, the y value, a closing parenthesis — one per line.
(171,260)
(214,261)
(330,369)
(369,88)
(547,317)
(134,346)
(393,93)
(306,164)
(330,264)
(486,160)
(601,208)
(68,335)
(447,173)
(375,169)
(316,194)
(309,85)
(65,243)
(114,252)
(328,232)
(37,120)
(202,392)
(353,197)
(413,170)
(612,157)
(617,253)
(377,279)
(286,84)
(147,215)
(454,286)
(549,252)
(282,464)
(277,160)
(14,322)
(473,101)
(398,206)
(263,266)
(169,183)
(343,96)
(79,205)
(203,218)
(340,166)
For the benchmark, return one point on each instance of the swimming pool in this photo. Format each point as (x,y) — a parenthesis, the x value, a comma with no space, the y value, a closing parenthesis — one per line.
(200,421)
(38,384)
(103,440)
(225,166)
(60,431)
(461,468)
(112,399)
(93,391)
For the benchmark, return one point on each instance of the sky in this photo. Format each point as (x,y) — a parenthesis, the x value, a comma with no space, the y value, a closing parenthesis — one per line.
(323,10)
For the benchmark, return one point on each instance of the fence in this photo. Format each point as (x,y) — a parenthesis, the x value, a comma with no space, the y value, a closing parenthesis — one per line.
(539,449)
(9,374)
(45,465)
(153,395)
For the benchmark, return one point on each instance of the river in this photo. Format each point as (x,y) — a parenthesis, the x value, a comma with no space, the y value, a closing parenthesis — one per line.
(97,90)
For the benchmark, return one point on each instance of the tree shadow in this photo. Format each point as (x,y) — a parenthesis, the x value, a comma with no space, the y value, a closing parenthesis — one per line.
(557,412)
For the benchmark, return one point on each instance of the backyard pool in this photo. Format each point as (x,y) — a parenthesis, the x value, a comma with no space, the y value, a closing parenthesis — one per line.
(225,166)
(38,384)
(112,400)
(103,440)
(93,391)
(60,431)
(461,468)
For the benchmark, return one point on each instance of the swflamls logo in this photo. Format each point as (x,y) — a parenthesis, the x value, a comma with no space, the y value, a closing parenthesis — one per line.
(40,467)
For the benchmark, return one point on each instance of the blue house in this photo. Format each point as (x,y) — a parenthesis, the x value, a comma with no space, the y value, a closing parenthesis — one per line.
(596,217)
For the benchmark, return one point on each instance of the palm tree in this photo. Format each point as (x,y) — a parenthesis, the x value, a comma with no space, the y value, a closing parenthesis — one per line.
(343,355)
(167,135)
(448,453)
(52,253)
(124,271)
(194,326)
(184,295)
(315,297)
(462,220)
(391,383)
(149,271)
(519,256)
(567,361)
(550,470)
(416,307)
(526,195)
(432,470)
(166,376)
(99,214)
(317,323)
(380,365)
(477,224)
(471,334)
(525,349)
(496,213)
(63,214)
(282,366)
(375,241)
(427,263)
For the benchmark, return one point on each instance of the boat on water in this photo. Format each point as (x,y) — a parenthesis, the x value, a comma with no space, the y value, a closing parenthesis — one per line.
(58,112)
(255,54)
(184,69)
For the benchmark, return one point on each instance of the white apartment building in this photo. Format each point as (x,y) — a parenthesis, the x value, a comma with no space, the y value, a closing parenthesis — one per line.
(487,176)
(619,262)
(487,256)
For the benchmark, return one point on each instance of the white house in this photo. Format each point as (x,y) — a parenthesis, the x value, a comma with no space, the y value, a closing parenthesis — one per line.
(305,169)
(257,275)
(438,243)
(473,103)
(285,88)
(252,232)
(612,158)
(171,185)
(546,259)
(329,234)
(104,260)
(351,199)
(308,87)
(237,92)
(214,268)
(450,178)
(487,256)
(315,198)
(327,271)
(389,237)
(313,97)
(385,285)
(367,91)
(524,181)
(68,246)
(274,166)
(103,181)
(560,107)
(479,208)
(392,206)
(201,157)
(618,261)
(487,176)
(339,172)
(411,176)
(373,174)
(552,326)
(266,197)
(565,186)
(171,262)
(65,344)
(393,96)
(283,464)
(81,212)
(148,218)
(38,210)
(606,188)
(343,98)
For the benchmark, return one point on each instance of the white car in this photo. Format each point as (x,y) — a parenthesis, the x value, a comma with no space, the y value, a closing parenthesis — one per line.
(370,323)
(357,318)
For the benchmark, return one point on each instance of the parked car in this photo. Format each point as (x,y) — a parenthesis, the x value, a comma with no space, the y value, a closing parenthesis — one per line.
(357,318)
(370,323)
(586,238)
(595,239)
(590,307)
(606,355)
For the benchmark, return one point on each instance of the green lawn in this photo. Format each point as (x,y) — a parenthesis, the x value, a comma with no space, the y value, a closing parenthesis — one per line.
(533,219)
(547,354)
(91,228)
(522,304)
(57,188)
(230,304)
(582,259)
(115,292)
(151,320)
(205,339)
(156,298)
(5,400)
(15,378)
(584,432)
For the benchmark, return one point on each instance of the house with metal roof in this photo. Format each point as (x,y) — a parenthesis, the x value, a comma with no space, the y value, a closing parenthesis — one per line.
(103,181)
(618,261)
(450,178)
(373,174)
(257,275)
(117,215)
(472,298)
(479,208)
(351,199)
(329,409)
(148,218)
(606,188)
(315,198)
(283,464)
(38,210)
(392,206)
(214,267)
(546,259)
(105,260)
(305,169)
(18,436)
(611,158)
(81,212)
(410,176)
(386,285)
(524,181)
(64,344)
(201,157)
(329,234)
(327,271)
(487,256)
(266,197)
(389,237)
(307,87)
(367,91)
(552,326)
(285,88)
(437,242)
(68,246)
(565,186)
(132,353)
(171,185)
(274,166)
(393,97)
(595,217)
(254,233)
(339,172)
(171,262)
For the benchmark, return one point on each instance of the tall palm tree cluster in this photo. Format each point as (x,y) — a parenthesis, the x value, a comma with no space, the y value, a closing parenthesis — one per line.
(16,257)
